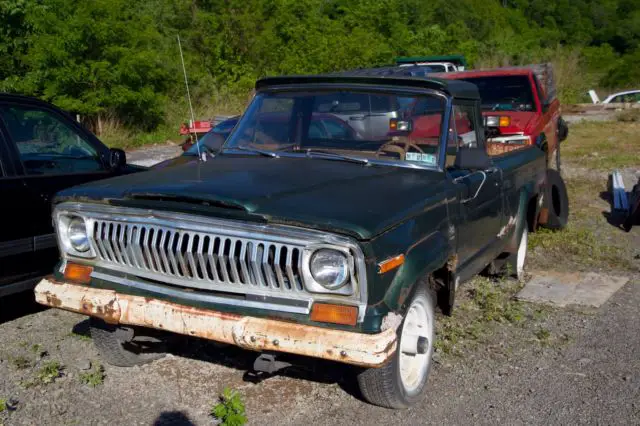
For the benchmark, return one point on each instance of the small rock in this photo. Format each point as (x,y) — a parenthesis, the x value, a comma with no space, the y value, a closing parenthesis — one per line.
(627,378)
(84,364)
(584,361)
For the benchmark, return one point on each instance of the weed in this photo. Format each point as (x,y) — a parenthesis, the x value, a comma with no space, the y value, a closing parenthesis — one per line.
(20,362)
(543,335)
(49,372)
(36,348)
(79,336)
(230,410)
(94,377)
(3,405)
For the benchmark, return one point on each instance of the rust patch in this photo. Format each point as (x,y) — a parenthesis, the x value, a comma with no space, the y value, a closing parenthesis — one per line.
(452,263)
(543,217)
(53,300)
(405,292)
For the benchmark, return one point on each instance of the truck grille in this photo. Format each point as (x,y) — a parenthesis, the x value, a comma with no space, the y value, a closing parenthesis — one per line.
(205,260)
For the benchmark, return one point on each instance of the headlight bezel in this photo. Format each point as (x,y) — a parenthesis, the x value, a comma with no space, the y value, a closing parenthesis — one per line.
(63,221)
(346,288)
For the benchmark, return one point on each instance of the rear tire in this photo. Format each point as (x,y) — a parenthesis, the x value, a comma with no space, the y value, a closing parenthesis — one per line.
(556,201)
(402,381)
(119,351)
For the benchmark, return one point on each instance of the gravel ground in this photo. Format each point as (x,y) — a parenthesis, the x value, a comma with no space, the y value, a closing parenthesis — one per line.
(555,366)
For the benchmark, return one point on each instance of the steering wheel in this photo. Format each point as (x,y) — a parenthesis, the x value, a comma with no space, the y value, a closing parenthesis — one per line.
(399,147)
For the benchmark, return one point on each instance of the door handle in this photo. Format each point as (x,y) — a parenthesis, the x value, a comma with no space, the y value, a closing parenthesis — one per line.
(356,118)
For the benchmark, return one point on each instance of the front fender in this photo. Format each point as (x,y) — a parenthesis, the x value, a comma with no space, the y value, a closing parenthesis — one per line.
(425,257)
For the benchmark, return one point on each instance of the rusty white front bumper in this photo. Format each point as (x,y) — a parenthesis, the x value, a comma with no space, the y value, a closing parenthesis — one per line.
(258,334)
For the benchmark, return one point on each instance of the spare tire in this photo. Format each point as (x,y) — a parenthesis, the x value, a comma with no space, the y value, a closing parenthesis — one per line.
(556,202)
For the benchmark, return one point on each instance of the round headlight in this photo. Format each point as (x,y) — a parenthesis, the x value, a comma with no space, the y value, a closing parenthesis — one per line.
(77,233)
(329,268)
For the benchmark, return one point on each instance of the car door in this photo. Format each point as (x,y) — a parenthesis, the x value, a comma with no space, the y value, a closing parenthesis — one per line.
(479,192)
(51,152)
(16,230)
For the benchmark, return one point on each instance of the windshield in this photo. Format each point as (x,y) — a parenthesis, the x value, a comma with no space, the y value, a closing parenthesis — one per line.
(504,93)
(214,138)
(382,127)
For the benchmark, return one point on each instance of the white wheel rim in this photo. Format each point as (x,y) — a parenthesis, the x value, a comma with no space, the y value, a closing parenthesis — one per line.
(418,322)
(522,253)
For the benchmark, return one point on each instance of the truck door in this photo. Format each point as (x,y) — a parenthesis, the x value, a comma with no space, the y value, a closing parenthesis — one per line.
(480,196)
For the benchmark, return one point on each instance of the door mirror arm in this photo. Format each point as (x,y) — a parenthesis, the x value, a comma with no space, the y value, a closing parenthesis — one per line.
(484,179)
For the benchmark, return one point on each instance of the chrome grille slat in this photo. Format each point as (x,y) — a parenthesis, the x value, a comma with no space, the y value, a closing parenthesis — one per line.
(201,259)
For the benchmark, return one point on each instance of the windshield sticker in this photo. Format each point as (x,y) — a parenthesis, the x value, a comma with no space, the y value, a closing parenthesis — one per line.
(423,158)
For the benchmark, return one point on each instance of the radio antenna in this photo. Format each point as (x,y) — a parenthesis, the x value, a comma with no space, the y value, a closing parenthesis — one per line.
(186,83)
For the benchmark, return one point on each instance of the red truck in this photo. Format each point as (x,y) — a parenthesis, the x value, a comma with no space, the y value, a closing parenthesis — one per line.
(520,108)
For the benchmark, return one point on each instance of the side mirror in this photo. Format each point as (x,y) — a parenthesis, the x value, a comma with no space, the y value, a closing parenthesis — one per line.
(117,159)
(472,158)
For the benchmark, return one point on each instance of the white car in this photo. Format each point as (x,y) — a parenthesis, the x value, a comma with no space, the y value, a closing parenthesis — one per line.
(629,96)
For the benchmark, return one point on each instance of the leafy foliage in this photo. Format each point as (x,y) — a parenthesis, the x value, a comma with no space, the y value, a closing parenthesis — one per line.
(230,410)
(94,377)
(112,59)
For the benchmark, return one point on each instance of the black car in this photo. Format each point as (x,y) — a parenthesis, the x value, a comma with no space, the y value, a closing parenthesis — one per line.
(42,151)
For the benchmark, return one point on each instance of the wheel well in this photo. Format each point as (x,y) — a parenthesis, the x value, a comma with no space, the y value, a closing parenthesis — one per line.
(443,283)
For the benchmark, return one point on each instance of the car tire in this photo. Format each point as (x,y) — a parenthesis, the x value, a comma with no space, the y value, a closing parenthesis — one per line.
(556,201)
(562,129)
(123,351)
(514,266)
(402,381)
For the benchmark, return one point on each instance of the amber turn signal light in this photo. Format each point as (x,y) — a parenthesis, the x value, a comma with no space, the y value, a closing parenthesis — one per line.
(390,264)
(505,121)
(335,314)
(78,273)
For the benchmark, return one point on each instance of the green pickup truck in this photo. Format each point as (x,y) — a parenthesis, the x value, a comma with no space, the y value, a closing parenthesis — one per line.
(305,235)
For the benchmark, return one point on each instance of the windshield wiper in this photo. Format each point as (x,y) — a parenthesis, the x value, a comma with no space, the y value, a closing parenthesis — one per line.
(311,153)
(264,152)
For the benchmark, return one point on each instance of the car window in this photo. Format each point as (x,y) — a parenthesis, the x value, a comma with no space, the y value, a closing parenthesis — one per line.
(47,144)
(504,93)
(331,120)
(462,131)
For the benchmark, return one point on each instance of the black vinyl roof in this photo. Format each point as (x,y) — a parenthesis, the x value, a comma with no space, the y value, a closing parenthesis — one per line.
(408,76)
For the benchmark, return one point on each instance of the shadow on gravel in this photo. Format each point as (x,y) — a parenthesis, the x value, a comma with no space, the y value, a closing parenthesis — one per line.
(82,328)
(177,418)
(18,305)
(303,368)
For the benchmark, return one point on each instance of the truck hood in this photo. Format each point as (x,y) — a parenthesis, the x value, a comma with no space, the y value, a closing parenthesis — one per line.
(520,120)
(349,198)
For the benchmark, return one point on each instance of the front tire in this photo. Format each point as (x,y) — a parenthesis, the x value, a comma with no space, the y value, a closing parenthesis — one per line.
(122,351)
(401,382)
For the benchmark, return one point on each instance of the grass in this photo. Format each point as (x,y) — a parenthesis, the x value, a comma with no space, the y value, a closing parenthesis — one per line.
(229,411)
(487,302)
(579,245)
(95,377)
(20,362)
(49,372)
(3,405)
(602,145)
(80,336)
